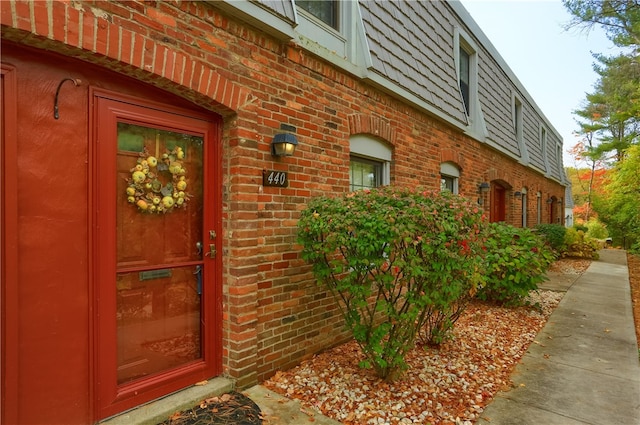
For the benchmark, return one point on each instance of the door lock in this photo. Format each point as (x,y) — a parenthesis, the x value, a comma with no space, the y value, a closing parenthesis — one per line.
(212,250)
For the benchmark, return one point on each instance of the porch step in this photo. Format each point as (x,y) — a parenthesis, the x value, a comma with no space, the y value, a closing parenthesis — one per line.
(159,410)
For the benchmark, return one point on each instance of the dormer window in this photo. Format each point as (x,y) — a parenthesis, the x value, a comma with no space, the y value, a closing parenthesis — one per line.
(465,76)
(465,53)
(325,10)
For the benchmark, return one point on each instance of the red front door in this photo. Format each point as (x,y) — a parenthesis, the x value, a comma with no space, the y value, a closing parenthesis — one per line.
(155,251)
(498,195)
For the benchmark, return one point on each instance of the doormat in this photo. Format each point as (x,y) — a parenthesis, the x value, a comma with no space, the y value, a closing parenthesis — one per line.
(228,409)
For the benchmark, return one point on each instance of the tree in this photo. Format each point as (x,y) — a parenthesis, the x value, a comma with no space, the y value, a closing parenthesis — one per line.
(619,18)
(609,120)
(612,110)
(619,204)
(617,100)
(585,151)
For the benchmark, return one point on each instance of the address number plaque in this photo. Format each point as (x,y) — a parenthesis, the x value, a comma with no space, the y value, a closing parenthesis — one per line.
(275,178)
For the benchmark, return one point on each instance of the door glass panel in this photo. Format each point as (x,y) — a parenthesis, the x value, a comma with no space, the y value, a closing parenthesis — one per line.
(159,256)
(158,321)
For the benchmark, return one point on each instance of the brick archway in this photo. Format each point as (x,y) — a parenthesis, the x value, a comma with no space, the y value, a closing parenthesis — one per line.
(364,123)
(78,33)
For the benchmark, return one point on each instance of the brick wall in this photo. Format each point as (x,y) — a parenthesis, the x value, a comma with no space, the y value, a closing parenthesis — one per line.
(274,313)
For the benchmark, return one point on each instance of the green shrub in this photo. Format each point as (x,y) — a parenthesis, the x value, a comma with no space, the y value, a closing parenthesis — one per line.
(553,234)
(573,236)
(396,260)
(579,227)
(577,244)
(597,230)
(515,262)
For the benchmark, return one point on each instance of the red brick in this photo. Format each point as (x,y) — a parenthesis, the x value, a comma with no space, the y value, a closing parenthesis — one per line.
(113,41)
(160,17)
(88,31)
(59,15)
(73,26)
(125,46)
(6,15)
(41,18)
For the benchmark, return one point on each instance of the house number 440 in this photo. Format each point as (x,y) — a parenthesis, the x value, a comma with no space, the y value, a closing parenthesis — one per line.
(274,178)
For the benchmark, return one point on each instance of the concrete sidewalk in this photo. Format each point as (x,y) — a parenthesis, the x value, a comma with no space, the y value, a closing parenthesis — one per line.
(584,366)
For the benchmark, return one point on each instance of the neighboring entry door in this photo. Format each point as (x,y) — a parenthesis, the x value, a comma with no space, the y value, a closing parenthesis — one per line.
(158,296)
(498,194)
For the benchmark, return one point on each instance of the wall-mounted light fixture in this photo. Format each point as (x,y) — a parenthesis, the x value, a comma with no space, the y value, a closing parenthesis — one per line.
(517,194)
(484,187)
(283,144)
(549,201)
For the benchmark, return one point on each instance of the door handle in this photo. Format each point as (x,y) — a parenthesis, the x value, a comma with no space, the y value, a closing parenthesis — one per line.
(212,251)
(199,248)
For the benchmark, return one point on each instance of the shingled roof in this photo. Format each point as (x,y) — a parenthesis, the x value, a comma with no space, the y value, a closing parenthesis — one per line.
(410,45)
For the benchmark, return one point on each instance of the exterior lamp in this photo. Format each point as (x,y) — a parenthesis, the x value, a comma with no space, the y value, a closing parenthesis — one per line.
(482,189)
(517,194)
(283,144)
(549,201)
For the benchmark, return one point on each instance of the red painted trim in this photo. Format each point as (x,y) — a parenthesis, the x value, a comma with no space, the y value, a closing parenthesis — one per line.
(107,109)
(9,249)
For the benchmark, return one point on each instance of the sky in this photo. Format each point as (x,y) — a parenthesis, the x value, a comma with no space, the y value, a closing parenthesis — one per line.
(554,65)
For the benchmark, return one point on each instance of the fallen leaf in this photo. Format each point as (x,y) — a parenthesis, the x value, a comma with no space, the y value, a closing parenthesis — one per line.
(487,344)
(175,416)
(205,382)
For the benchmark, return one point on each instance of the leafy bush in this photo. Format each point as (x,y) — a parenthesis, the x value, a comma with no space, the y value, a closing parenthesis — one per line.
(553,234)
(579,245)
(515,262)
(597,230)
(572,236)
(579,227)
(396,260)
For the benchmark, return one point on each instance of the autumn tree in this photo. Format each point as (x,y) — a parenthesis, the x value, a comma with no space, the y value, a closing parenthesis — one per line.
(619,208)
(612,110)
(611,114)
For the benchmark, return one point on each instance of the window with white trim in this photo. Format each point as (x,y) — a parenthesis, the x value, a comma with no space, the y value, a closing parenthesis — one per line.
(538,208)
(559,159)
(370,163)
(518,127)
(449,175)
(464,76)
(523,199)
(326,10)
(328,28)
(466,59)
(543,148)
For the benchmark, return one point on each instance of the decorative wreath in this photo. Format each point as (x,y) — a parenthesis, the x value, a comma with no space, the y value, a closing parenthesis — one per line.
(146,189)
